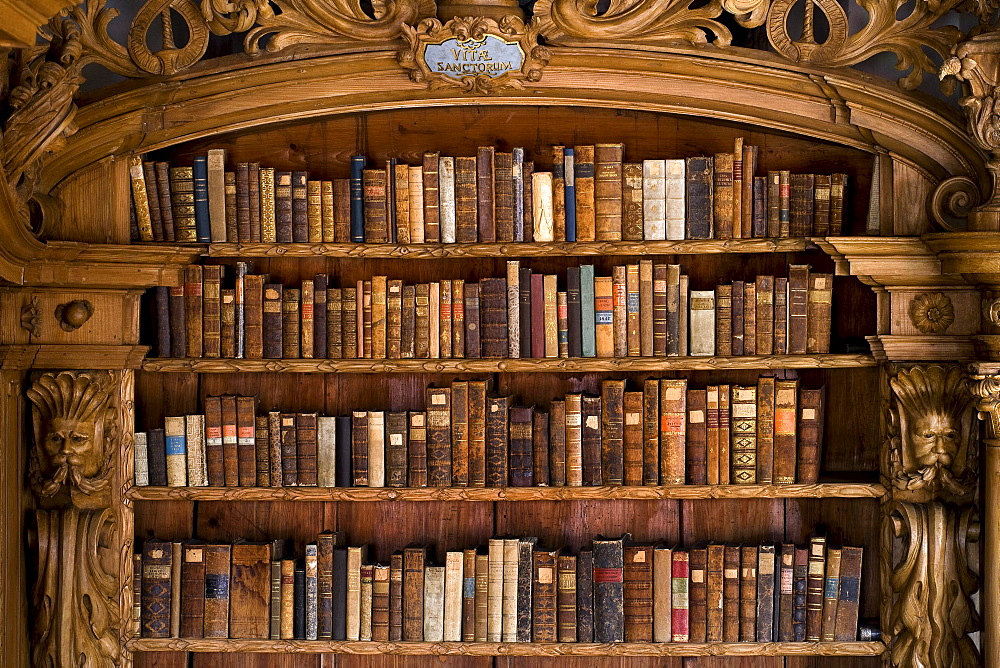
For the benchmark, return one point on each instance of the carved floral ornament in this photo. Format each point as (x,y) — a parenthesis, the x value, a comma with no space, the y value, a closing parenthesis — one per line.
(932,312)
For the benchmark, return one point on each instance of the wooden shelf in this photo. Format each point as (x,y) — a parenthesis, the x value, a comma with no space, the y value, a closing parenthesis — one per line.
(510,649)
(493,365)
(557,248)
(816,491)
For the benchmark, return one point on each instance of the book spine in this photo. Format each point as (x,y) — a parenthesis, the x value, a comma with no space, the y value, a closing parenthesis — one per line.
(291,319)
(680,621)
(583,172)
(218,565)
(698,595)
(497,444)
(503,194)
(559,193)
(673,428)
(608,191)
(831,595)
(439,465)
(651,432)
(468,620)
(540,447)
(545,585)
(810,435)
(246,441)
(396,597)
(466,201)
(612,432)
(731,594)
(446,198)
(201,208)
(357,218)
(557,443)
(714,593)
(176,451)
(268,205)
(566,598)
(418,449)
(632,448)
(574,440)
(520,447)
(638,593)
(814,588)
(800,575)
(156,589)
(697,438)
(588,323)
(591,440)
(766,570)
(748,593)
(585,596)
(609,617)
(654,199)
(289,450)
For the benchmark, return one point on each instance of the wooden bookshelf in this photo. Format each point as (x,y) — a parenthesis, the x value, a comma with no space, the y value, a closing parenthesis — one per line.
(527,365)
(362,494)
(623,649)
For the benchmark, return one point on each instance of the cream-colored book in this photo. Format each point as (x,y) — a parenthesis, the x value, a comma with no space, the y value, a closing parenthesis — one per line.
(702,323)
(355,557)
(326,451)
(653,202)
(673,198)
(509,609)
(176,550)
(434,603)
(494,593)
(367,573)
(141,453)
(453,584)
(376,448)
(446,198)
(541,206)
(197,471)
(416,190)
(174,432)
(662,592)
(514,309)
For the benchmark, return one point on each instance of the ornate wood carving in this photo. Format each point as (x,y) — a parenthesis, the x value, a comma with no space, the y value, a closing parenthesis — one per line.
(932,312)
(72,315)
(986,388)
(31,314)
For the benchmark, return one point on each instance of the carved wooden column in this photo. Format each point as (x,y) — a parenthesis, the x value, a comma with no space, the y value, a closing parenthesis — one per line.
(987,389)
(78,469)
(930,532)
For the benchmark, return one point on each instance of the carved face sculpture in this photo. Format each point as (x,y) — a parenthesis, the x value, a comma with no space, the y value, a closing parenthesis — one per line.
(935,439)
(70,443)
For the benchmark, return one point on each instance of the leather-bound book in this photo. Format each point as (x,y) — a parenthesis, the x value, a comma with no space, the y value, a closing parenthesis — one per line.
(380,603)
(799,593)
(254,193)
(356,556)
(814,587)
(785,595)
(699,191)
(497,445)
(749,318)
(156,588)
(230,441)
(473,345)
(431,197)
(838,187)
(526,590)
(357,200)
(328,231)
(651,432)
(768,565)
(414,557)
(714,594)
(503,195)
(458,318)
(493,317)
(407,321)
(246,439)
(495,586)
(638,593)
(591,440)
(764,321)
(193,310)
(326,451)
(749,167)
(341,212)
(339,614)
(522,470)
(421,321)
(713,464)
(765,430)
(743,430)
(349,322)
(375,214)
(558,193)
(214,456)
(698,595)
(620,308)
(192,606)
(289,450)
(159,188)
(738,200)
(680,620)
(759,214)
(784,203)
(541,206)
(557,443)
(485,194)
(724,320)
(300,207)
(785,419)
(540,447)
(290,323)
(604,316)
(344,451)
(731,594)
(697,438)
(773,205)
(662,592)
(541,327)
(821,205)
(359,448)
(441,327)
(306,448)
(683,315)
(646,308)
(562,324)
(396,596)
(609,562)
(801,205)
(217,591)
(364,313)
(798,308)
(725,435)
(439,465)
(608,191)
(396,453)
(666,294)
(527,202)
(283,215)
(320,293)
(574,311)
(176,451)
(513,294)
(780,316)
(525,332)
(287,615)
(211,311)
(163,321)
(703,323)
(632,441)
(585,596)
(748,593)
(632,326)
(272,321)
(831,595)
(818,314)
(565,597)
(574,440)
(379,317)
(253,316)
(418,449)
(477,417)
(268,212)
(242,269)
(673,428)
(415,195)
(146,203)
(612,425)
(810,435)
(182,204)
(722,196)
(465,200)
(324,585)
(481,597)
(583,180)
(468,596)
(510,585)
(197,472)
(632,201)
(249,590)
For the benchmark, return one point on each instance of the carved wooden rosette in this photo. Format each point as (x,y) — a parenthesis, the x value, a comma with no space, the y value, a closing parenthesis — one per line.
(930,536)
(80,469)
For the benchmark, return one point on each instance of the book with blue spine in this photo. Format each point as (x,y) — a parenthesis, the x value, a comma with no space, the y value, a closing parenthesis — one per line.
(357,199)
(202,221)
(568,167)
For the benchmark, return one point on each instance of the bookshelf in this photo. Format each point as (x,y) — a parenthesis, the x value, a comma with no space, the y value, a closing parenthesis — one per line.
(339,96)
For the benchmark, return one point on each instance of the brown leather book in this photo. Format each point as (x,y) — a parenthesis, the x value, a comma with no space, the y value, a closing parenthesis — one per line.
(583,175)
(439,436)
(738,202)
(713,463)
(773,204)
(380,603)
(780,316)
(743,441)
(444,319)
(574,440)
(415,191)
(307,447)
(407,321)
(159,189)
(700,198)
(291,299)
(497,444)
(722,196)
(418,449)
(349,322)
(638,593)
(698,595)
(613,431)
(379,317)
(738,314)
(697,437)
(182,204)
(731,594)
(477,432)
(810,435)
(328,225)
(432,217)
(253,318)
(749,168)
(608,191)
(646,308)
(503,195)
(838,188)
(249,590)
(673,428)
(289,449)
(227,323)
(619,295)
(193,310)
(473,345)
(544,586)
(724,320)
(521,447)
(314,210)
(633,314)
(272,320)
(230,441)
(262,449)
(764,321)
(557,443)
(559,193)
(585,596)
(217,590)
(566,598)
(725,432)
(485,195)
(785,576)
(396,448)
(562,323)
(662,593)
(460,433)
(749,318)
(591,440)
(458,318)
(650,432)
(211,310)
(819,313)
(540,447)
(275,448)
(785,418)
(831,595)
(768,563)
(814,588)
(801,205)
(631,201)
(765,430)
(192,606)
(513,309)
(714,590)
(493,317)
(213,442)
(319,325)
(466,201)
(365,319)
(481,597)
(359,447)
(666,294)
(849,599)
(414,557)
(799,593)
(334,323)
(798,308)
(421,321)
(246,440)
(283,207)
(542,327)
(632,448)
(748,593)
(268,210)
(527,172)
(157,558)
(341,210)
(821,205)
(254,190)
(376,221)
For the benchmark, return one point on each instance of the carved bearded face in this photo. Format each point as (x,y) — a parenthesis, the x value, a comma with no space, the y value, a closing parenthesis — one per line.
(935,439)
(70,446)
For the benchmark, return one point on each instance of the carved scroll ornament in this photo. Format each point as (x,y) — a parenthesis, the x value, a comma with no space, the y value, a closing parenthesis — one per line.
(932,439)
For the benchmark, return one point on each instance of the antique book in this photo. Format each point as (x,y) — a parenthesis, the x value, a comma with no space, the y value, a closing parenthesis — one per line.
(262,446)
(638,593)
(458,318)
(821,205)
(396,453)
(359,448)
(380,603)
(749,318)
(759,214)
(680,618)
(328,220)
(217,591)
(632,439)
(666,301)
(272,320)
(566,598)
(415,194)
(349,322)
(800,576)
(651,431)
(520,447)
(713,464)
(267,204)
(407,313)
(163,321)
(433,619)
(542,208)
(838,187)
(810,435)
(283,208)
(246,441)
(785,442)
(748,593)
(239,323)
(421,321)
(274,447)
(339,608)
(182,205)
(818,313)
(583,184)
(698,595)
(290,323)
(700,196)
(395,622)
(608,191)
(254,183)
(524,304)
(801,205)
(646,308)
(444,319)
(451,617)
(320,294)
(743,426)
(723,321)
(662,593)
(540,447)
(468,596)
(192,609)
(722,197)
(141,445)
(674,198)
(683,316)
(174,431)
(612,424)
(524,588)
(574,440)
(230,441)
(214,457)
(367,585)
(585,596)
(764,320)
(364,315)
(780,316)
(289,448)
(254,316)
(159,188)
(495,587)
(477,417)
(562,324)
(620,310)
(653,199)
(609,615)
(815,573)
(486,202)
(557,443)
(831,595)
(227,324)
(314,212)
(446,198)
(379,313)
(147,204)
(697,438)
(785,596)
(473,344)
(356,556)
(738,200)
(431,180)
(324,585)
(193,283)
(632,326)
(508,609)
(497,446)
(633,204)
(591,440)
(558,193)
(773,204)
(573,305)
(714,592)
(766,571)
(503,195)
(493,317)
(466,200)
(527,198)
(784,203)
(513,294)
(211,310)
(765,430)
(249,589)
(798,308)
(287,620)
(673,428)
(749,167)
(544,587)
(731,594)
(543,316)
(703,324)
(439,436)
(376,449)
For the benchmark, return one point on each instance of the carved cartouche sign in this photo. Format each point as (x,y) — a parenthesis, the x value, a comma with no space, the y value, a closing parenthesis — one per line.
(475,55)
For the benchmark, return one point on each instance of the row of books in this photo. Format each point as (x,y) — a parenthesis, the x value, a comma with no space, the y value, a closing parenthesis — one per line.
(662,433)
(512,591)
(590,194)
(642,309)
